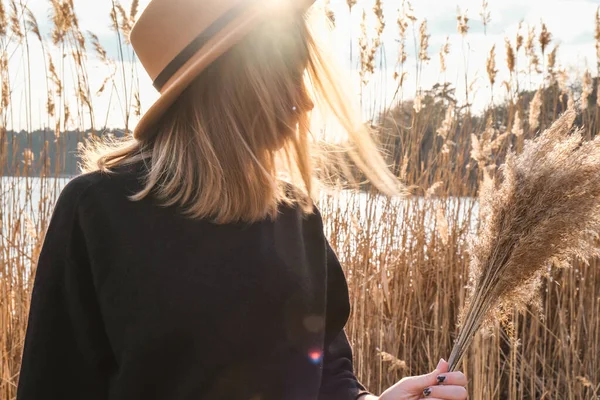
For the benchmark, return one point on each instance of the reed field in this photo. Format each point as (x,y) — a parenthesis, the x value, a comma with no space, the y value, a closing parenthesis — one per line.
(406,260)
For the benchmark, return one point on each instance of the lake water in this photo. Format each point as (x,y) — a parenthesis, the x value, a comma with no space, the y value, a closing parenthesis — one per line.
(24,199)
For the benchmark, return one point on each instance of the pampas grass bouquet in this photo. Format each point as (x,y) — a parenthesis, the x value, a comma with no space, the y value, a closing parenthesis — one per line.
(546,211)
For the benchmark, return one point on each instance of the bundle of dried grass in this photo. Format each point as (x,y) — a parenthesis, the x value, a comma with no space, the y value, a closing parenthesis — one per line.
(546,211)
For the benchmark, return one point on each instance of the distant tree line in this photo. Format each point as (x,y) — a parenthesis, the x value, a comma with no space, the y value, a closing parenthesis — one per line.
(42,153)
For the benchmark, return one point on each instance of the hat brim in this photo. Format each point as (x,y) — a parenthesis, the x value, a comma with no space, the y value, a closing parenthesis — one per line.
(213,49)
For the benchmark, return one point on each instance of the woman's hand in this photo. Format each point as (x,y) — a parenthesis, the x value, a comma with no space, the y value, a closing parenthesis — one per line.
(437,385)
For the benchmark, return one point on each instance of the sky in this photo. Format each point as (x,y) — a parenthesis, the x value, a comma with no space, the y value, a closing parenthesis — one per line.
(570,21)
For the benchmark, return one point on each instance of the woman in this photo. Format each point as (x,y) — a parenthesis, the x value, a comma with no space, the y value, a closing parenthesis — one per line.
(192,263)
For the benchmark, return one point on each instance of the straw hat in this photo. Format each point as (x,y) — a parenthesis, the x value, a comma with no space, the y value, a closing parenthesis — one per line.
(176,40)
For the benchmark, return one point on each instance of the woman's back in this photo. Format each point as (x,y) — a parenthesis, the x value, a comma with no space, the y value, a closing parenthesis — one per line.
(164,306)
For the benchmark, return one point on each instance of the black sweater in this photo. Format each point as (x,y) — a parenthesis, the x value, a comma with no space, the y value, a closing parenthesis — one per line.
(133,301)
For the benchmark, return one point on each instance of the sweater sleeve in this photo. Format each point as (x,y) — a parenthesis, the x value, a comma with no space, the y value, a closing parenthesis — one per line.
(66,354)
(338,380)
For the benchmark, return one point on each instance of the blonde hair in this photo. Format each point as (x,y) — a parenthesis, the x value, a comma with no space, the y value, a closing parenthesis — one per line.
(239,137)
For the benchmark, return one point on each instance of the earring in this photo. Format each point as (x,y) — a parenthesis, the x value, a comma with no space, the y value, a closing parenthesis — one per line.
(294,108)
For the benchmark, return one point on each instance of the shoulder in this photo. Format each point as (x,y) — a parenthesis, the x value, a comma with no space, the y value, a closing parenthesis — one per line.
(298,197)
(76,188)
(123,180)
(65,215)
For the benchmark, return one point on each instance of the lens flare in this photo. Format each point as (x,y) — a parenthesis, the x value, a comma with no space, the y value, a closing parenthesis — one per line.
(315,356)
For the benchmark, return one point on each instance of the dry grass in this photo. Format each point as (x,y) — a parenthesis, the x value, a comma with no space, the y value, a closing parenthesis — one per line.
(406,261)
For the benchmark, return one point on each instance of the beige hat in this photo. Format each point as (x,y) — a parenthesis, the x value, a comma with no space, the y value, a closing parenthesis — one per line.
(176,40)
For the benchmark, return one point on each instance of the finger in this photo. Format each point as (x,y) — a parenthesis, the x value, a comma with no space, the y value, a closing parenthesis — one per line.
(430,379)
(417,383)
(446,392)
(442,366)
(452,378)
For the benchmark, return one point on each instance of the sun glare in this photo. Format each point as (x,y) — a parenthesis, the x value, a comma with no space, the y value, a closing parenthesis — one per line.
(277,4)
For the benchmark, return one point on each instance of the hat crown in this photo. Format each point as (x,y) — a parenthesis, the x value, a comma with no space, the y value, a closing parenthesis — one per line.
(166,27)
